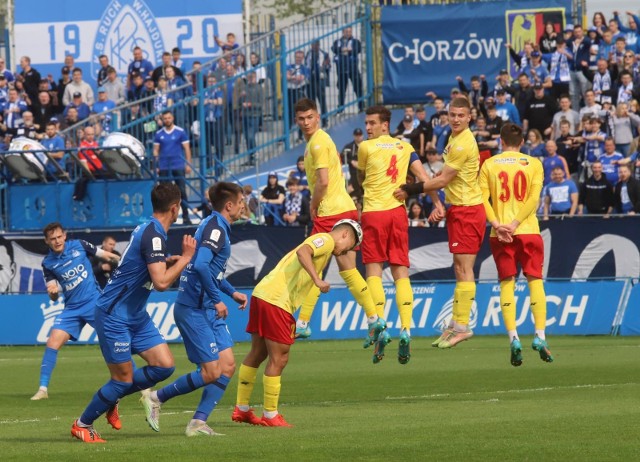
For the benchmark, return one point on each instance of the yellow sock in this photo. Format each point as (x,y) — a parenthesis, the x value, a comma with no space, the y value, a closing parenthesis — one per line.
(377,294)
(538,303)
(404,300)
(508,303)
(359,289)
(271,392)
(309,304)
(246,381)
(464,295)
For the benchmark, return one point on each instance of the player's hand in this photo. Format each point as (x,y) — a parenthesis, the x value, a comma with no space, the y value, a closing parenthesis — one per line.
(437,214)
(53,291)
(187,169)
(314,212)
(188,246)
(222,310)
(172,260)
(324,286)
(504,236)
(400,194)
(240,298)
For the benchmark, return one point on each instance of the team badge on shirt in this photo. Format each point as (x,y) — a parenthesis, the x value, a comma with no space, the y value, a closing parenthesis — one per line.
(215,235)
(156,243)
(318,242)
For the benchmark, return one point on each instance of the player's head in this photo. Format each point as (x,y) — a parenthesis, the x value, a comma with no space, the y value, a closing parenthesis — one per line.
(165,199)
(512,137)
(459,114)
(307,116)
(347,234)
(55,236)
(376,121)
(7,265)
(227,199)
(167,119)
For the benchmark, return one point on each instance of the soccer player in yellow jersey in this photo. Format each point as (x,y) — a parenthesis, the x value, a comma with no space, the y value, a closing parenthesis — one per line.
(271,322)
(330,203)
(512,182)
(466,218)
(383,163)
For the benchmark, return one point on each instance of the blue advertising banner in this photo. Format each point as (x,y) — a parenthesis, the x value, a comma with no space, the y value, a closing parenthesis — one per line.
(426,46)
(87,29)
(631,321)
(573,308)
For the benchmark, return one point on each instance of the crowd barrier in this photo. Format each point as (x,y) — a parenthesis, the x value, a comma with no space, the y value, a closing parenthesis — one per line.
(599,307)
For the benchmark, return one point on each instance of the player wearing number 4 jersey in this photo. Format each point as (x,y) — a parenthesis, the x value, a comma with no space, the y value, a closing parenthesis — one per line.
(383,163)
(466,219)
(513,181)
(330,203)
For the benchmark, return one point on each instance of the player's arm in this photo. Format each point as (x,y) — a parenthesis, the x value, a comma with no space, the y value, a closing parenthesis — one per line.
(417,169)
(187,156)
(547,203)
(362,162)
(434,184)
(53,289)
(483,181)
(107,256)
(320,189)
(231,291)
(162,276)
(305,257)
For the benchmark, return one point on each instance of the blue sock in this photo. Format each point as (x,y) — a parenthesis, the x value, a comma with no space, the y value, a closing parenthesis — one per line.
(106,397)
(185,384)
(147,377)
(211,396)
(48,363)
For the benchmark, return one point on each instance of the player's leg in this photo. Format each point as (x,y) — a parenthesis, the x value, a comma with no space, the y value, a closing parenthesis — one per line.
(57,338)
(404,300)
(377,334)
(247,374)
(277,361)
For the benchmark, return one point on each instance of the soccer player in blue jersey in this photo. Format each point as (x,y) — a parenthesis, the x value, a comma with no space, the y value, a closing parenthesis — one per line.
(67,265)
(200,313)
(123,325)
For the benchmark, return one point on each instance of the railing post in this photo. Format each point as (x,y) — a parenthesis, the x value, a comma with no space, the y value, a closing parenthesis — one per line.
(286,123)
(202,142)
(369,41)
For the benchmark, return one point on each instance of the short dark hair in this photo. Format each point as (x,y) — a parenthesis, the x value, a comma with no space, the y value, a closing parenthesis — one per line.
(382,112)
(52,227)
(102,56)
(511,135)
(175,50)
(305,104)
(292,181)
(76,69)
(166,53)
(221,193)
(300,159)
(164,195)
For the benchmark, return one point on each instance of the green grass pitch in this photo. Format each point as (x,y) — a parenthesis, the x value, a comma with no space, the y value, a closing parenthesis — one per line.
(464,404)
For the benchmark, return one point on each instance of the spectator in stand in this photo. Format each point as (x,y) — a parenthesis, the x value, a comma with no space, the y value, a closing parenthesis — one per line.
(214,123)
(346,51)
(50,87)
(593,139)
(547,41)
(296,205)
(252,205)
(438,106)
(409,134)
(534,145)
(161,70)
(553,160)
(593,35)
(596,194)
(568,146)
(70,119)
(494,121)
(252,101)
(631,33)
(231,112)
(102,269)
(483,137)
(136,89)
(537,71)
(139,65)
(22,94)
(300,173)
(503,82)
(540,111)
(83,109)
(591,108)
(219,69)
(55,145)
(240,64)
(77,85)
(560,196)
(8,75)
(441,132)
(617,58)
(560,62)
(114,87)
(4,88)
(606,47)
(506,110)
(272,198)
(565,113)
(350,158)
(319,65)
(103,71)
(88,152)
(416,215)
(176,61)
(633,161)
(297,79)
(27,128)
(29,77)
(523,58)
(602,82)
(43,109)
(579,84)
(178,92)
(610,161)
(615,30)
(624,122)
(229,47)
(479,89)
(259,69)
(524,94)
(599,23)
(13,110)
(623,90)
(101,109)
(425,129)
(172,154)
(627,192)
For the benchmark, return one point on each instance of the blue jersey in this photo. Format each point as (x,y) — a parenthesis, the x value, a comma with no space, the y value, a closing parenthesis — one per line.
(128,289)
(54,144)
(203,279)
(560,194)
(144,67)
(593,148)
(548,164)
(171,151)
(72,269)
(610,169)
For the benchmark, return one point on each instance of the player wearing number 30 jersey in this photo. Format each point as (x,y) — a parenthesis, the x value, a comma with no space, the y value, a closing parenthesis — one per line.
(512,181)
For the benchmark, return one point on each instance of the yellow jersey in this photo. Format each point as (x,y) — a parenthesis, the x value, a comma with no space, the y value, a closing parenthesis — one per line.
(321,152)
(462,155)
(511,178)
(287,285)
(385,162)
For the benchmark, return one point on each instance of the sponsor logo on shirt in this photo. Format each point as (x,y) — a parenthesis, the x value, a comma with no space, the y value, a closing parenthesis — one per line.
(523,161)
(319,242)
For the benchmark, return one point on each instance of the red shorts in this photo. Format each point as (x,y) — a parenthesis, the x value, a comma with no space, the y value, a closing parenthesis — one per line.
(324,224)
(466,226)
(270,321)
(526,249)
(386,237)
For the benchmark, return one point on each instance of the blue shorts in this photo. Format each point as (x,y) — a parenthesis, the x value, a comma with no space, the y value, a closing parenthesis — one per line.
(120,338)
(203,335)
(73,320)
